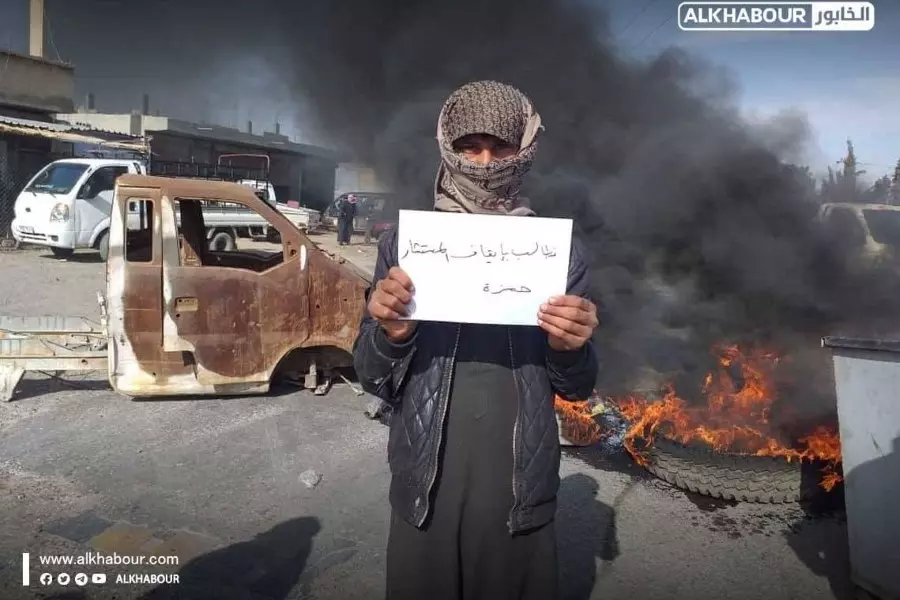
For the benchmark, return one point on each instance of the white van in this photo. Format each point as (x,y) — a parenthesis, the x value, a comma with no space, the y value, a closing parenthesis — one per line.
(67,205)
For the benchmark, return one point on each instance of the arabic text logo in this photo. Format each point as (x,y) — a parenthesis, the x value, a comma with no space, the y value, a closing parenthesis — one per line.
(776,16)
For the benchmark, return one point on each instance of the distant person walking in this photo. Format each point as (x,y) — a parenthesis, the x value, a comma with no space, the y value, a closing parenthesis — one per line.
(345,219)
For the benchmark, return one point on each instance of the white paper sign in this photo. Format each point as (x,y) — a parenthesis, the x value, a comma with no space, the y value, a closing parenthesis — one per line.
(482,268)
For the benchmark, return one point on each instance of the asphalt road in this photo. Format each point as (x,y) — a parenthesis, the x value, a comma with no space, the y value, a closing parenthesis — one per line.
(219,482)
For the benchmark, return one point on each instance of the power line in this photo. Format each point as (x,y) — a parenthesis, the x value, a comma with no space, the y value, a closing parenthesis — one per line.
(658,27)
(640,14)
(50,36)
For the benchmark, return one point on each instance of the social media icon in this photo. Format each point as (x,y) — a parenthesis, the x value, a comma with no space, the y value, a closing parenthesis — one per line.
(81,579)
(63,579)
(46,578)
(98,578)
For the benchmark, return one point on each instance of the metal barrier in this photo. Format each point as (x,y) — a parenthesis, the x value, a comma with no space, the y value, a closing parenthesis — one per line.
(867,380)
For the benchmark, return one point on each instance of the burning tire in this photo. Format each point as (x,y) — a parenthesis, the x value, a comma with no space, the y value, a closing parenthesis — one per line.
(737,477)
(727,446)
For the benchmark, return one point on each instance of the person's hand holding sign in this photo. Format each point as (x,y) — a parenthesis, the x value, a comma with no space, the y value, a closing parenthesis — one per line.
(569,321)
(389,301)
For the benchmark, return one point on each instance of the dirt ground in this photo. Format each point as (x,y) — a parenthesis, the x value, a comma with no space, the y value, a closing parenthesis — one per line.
(223,485)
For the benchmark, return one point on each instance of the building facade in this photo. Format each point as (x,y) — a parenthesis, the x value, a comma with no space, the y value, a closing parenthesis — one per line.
(32,90)
(354,177)
(298,172)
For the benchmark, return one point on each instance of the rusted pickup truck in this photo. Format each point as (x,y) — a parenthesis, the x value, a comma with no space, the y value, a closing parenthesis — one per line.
(181,319)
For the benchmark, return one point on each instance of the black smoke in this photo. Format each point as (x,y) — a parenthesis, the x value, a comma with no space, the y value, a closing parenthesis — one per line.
(699,231)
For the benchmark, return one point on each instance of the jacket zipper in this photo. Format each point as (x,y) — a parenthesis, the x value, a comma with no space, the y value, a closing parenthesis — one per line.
(512,364)
(448,380)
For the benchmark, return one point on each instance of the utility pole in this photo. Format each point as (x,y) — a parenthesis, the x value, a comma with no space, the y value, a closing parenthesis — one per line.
(36,29)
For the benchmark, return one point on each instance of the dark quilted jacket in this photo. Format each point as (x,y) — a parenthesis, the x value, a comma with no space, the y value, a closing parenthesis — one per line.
(415,378)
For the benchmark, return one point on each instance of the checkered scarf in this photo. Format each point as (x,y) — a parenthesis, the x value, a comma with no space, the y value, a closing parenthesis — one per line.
(497,109)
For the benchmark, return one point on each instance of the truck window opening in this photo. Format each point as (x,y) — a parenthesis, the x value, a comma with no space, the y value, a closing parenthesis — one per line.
(844,225)
(139,232)
(884,225)
(219,248)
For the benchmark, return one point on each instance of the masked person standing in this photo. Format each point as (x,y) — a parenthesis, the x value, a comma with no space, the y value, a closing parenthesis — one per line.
(473,449)
(345,219)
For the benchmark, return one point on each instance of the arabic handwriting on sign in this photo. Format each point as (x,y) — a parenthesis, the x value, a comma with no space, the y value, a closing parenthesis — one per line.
(473,253)
(420,248)
(521,289)
(485,251)
(526,252)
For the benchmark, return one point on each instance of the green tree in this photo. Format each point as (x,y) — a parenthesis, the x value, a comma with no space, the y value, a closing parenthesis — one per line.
(829,187)
(843,185)
(879,192)
(849,176)
(894,194)
(803,179)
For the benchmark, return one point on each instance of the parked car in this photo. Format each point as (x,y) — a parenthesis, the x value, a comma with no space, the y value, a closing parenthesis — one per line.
(376,213)
(66,205)
(867,233)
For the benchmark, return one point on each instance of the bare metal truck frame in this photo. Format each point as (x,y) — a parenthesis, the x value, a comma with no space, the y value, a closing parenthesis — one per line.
(181,318)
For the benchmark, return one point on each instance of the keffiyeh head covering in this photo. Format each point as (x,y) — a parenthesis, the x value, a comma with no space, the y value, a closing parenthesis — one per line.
(493,108)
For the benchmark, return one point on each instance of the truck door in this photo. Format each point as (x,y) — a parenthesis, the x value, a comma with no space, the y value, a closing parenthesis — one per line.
(138,366)
(93,203)
(237,311)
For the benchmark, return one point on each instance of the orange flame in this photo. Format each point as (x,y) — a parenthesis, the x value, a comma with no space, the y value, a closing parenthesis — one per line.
(735,418)
(577,423)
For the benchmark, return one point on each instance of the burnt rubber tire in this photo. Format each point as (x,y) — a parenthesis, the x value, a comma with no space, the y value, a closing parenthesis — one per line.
(759,479)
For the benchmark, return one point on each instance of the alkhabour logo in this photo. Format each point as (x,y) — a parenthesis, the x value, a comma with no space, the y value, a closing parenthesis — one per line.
(148,578)
(776,16)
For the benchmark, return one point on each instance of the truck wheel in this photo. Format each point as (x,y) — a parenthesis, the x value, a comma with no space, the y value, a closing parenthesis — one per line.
(222,241)
(62,252)
(103,245)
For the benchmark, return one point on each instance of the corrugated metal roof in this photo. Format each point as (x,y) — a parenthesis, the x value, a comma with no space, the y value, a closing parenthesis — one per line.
(62,132)
(85,127)
(151,125)
(269,140)
(32,123)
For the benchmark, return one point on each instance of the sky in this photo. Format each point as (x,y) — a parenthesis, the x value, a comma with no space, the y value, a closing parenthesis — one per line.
(846,83)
